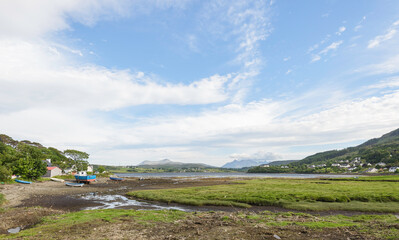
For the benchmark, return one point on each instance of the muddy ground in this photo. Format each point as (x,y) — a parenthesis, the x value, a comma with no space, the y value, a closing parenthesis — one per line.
(58,196)
(55,198)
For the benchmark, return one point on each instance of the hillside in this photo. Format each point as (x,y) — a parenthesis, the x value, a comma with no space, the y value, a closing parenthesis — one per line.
(383,149)
(375,155)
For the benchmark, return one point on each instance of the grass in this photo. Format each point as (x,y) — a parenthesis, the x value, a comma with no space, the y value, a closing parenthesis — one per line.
(84,223)
(53,225)
(300,194)
(383,178)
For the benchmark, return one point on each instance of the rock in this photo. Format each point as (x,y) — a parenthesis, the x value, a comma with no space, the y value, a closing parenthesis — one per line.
(276,236)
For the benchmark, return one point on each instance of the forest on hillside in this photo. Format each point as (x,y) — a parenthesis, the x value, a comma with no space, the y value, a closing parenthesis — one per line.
(28,159)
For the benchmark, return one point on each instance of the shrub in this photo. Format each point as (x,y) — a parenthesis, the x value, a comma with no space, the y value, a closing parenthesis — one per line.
(5,174)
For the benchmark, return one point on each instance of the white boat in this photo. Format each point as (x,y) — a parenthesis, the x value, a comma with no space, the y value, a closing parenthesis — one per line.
(57,180)
(74,184)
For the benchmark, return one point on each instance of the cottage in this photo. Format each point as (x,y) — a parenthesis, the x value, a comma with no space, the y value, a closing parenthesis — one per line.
(53,171)
(345,166)
(393,169)
(265,165)
(371,170)
(381,164)
(335,165)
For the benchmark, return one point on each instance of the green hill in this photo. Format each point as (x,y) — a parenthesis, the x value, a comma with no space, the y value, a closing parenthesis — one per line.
(384,149)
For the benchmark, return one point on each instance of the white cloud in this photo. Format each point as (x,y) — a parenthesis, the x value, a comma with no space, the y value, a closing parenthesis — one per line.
(315,58)
(47,81)
(332,46)
(389,66)
(259,155)
(286,59)
(341,30)
(390,33)
(392,82)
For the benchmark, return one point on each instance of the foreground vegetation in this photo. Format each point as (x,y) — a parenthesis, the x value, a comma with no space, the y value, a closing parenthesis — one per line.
(168,224)
(299,194)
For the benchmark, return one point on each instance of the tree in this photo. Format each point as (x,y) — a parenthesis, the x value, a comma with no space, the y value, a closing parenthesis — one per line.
(29,163)
(5,173)
(78,159)
(101,169)
(58,158)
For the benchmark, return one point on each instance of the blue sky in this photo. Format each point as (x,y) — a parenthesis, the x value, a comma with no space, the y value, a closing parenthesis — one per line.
(198,81)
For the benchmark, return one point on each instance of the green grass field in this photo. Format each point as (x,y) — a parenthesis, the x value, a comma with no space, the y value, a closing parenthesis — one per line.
(300,194)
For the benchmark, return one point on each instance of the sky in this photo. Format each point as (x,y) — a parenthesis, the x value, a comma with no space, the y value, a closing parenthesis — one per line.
(196,80)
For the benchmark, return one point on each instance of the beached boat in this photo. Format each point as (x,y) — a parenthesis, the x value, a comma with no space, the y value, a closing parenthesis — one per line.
(57,180)
(22,181)
(74,184)
(83,177)
(116,179)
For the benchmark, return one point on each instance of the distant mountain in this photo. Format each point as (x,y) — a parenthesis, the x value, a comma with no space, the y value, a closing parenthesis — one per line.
(244,163)
(166,163)
(385,148)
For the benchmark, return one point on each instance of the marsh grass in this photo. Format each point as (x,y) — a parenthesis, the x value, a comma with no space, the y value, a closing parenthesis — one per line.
(301,194)
(83,224)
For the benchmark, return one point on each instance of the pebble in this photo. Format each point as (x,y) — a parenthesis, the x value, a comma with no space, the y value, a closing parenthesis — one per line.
(276,236)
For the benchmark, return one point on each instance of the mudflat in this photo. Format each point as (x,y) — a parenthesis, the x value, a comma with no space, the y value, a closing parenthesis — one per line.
(59,196)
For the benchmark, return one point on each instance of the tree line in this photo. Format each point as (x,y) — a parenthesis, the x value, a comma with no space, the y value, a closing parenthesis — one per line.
(27,159)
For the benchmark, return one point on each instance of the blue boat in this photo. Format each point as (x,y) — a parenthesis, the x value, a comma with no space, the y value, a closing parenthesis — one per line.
(85,178)
(74,184)
(22,181)
(116,179)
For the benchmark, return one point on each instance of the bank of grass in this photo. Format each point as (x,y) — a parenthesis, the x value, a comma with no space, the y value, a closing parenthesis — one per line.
(164,223)
(299,194)
(2,199)
(382,178)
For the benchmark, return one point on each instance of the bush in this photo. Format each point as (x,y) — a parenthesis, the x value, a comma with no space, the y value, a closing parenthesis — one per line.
(5,174)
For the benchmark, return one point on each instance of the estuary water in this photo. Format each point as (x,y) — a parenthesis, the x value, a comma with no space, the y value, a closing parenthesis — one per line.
(229,174)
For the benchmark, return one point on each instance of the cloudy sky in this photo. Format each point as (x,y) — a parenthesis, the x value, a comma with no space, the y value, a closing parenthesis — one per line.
(198,81)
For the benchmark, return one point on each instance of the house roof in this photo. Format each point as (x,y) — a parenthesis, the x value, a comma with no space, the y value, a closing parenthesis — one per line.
(51,168)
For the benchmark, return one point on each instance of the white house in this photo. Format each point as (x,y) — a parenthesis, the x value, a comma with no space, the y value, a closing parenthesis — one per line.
(371,170)
(335,165)
(53,171)
(381,164)
(265,165)
(393,169)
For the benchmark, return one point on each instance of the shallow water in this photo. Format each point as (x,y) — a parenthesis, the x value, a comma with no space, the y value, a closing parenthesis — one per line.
(228,174)
(122,202)
(14,230)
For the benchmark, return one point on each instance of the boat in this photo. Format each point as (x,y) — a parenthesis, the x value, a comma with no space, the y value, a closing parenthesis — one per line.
(71,184)
(57,180)
(83,177)
(116,179)
(22,181)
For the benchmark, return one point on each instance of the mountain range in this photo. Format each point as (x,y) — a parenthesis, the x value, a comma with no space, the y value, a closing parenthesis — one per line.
(166,163)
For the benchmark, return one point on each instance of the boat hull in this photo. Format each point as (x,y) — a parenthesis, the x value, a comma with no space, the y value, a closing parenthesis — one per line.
(85,179)
(116,179)
(57,180)
(22,181)
(75,184)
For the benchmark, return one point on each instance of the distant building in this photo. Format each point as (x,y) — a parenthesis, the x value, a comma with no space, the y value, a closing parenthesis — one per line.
(371,170)
(393,169)
(53,171)
(381,164)
(335,165)
(265,165)
(90,168)
(345,166)
(284,166)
